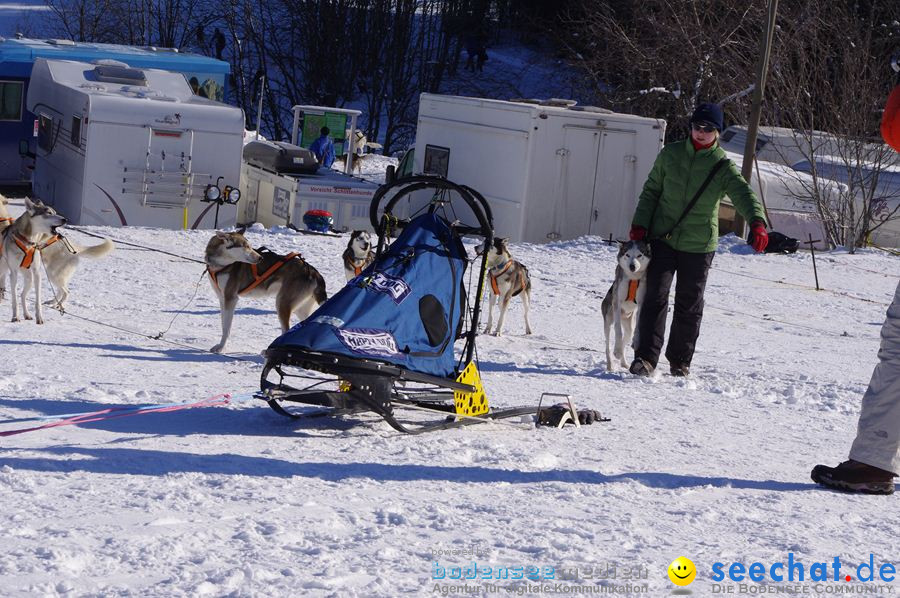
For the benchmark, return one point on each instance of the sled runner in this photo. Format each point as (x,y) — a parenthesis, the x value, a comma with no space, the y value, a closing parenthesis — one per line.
(401,334)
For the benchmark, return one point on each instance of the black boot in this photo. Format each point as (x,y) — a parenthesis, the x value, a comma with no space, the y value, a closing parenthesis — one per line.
(641,367)
(679,369)
(854,476)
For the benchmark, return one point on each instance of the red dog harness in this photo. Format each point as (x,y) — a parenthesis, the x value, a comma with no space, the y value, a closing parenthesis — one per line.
(257,278)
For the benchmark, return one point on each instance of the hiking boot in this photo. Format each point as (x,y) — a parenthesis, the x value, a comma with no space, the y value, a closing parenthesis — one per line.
(641,367)
(680,370)
(854,476)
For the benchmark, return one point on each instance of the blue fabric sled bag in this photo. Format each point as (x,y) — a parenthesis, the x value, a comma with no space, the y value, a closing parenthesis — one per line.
(404,309)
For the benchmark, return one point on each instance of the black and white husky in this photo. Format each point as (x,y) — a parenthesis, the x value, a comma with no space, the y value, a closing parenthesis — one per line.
(358,254)
(237,270)
(622,303)
(20,253)
(507,278)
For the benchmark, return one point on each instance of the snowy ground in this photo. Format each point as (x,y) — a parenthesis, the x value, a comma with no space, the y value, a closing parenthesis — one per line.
(238,501)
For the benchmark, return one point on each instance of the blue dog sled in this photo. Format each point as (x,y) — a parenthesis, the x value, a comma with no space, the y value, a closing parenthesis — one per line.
(401,334)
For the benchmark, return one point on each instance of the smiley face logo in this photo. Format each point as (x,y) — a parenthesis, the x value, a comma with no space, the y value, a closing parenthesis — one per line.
(682,571)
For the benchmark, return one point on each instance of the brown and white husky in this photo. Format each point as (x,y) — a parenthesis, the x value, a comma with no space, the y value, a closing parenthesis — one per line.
(507,278)
(237,270)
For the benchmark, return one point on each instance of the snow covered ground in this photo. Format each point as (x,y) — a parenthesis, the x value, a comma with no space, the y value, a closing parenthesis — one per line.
(239,501)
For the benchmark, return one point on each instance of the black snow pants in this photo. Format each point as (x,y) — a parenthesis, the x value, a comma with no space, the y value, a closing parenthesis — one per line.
(692,270)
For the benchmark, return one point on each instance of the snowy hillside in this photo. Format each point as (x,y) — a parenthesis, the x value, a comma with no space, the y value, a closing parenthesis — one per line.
(235,500)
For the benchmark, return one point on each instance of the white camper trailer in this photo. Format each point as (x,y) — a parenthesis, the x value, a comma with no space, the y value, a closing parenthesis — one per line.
(121,146)
(549,170)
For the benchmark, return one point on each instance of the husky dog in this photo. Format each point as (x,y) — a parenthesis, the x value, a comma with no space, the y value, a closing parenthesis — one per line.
(59,257)
(20,253)
(623,301)
(237,270)
(358,254)
(508,278)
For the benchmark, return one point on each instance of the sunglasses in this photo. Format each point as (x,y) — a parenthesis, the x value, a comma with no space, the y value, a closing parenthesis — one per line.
(702,127)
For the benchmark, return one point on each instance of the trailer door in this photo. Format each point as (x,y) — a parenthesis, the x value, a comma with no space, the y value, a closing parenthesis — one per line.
(614,196)
(575,187)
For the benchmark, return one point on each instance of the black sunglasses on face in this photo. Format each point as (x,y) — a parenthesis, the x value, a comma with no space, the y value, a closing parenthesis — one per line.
(703,127)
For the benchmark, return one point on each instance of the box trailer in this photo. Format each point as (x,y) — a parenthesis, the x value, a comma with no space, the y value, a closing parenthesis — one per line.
(278,186)
(273,196)
(18,125)
(550,170)
(123,146)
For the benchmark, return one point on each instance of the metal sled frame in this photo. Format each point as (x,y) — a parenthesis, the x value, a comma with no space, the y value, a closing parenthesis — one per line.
(354,385)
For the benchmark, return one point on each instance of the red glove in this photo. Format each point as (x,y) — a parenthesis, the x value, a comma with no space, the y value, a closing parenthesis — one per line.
(637,233)
(759,238)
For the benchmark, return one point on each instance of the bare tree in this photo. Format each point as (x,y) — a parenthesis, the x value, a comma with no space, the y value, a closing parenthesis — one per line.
(831,74)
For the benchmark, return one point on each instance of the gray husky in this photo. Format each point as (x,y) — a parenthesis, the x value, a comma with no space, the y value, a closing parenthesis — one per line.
(622,303)
(237,270)
(508,278)
(59,258)
(20,253)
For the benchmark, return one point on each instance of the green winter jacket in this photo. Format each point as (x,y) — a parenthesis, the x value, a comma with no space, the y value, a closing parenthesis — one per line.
(676,176)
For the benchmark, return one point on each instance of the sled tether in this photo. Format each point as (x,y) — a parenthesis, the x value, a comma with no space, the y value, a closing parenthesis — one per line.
(388,341)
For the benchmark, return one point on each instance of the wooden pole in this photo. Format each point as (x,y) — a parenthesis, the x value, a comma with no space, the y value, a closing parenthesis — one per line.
(765,51)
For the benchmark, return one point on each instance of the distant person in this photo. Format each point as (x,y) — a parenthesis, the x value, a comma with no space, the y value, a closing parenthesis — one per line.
(875,454)
(480,52)
(195,85)
(219,41)
(678,213)
(471,51)
(323,148)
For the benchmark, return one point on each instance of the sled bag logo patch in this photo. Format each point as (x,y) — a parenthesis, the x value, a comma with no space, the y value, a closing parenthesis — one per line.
(393,287)
(366,341)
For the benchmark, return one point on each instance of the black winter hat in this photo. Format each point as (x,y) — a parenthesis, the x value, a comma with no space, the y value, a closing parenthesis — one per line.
(708,112)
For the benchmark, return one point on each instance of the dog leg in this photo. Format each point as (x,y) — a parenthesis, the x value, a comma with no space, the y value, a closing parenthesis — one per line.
(504,304)
(607,324)
(38,307)
(627,334)
(618,349)
(526,302)
(13,283)
(27,282)
(491,299)
(227,311)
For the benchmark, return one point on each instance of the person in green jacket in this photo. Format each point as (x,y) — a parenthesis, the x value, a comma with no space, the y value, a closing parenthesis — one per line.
(678,213)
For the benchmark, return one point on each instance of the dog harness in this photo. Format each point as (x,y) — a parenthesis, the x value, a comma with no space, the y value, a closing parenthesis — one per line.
(494,276)
(28,248)
(258,279)
(10,220)
(632,290)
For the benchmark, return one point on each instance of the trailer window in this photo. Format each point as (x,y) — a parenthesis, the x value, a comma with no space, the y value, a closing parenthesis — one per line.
(437,160)
(76,131)
(11,100)
(45,132)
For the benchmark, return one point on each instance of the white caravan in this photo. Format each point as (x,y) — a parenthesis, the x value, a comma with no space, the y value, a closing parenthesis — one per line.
(121,146)
(549,170)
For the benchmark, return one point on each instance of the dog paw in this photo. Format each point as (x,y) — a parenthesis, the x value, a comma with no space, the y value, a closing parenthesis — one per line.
(39,321)
(528,331)
(28,317)
(218,348)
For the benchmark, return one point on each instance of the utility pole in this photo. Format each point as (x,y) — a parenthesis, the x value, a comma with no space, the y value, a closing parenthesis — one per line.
(765,49)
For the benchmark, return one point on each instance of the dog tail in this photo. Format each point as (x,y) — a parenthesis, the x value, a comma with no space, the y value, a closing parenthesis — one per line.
(97,250)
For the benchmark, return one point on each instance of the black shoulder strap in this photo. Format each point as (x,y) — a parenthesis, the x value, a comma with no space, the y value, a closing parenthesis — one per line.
(712,173)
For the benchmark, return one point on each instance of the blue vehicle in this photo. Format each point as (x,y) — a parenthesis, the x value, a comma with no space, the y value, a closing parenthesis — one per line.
(207,76)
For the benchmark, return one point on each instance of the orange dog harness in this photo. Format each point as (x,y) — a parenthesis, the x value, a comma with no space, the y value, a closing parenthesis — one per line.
(632,290)
(496,288)
(258,279)
(28,248)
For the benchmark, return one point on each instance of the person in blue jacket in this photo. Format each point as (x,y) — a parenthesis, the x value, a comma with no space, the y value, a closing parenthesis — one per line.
(323,148)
